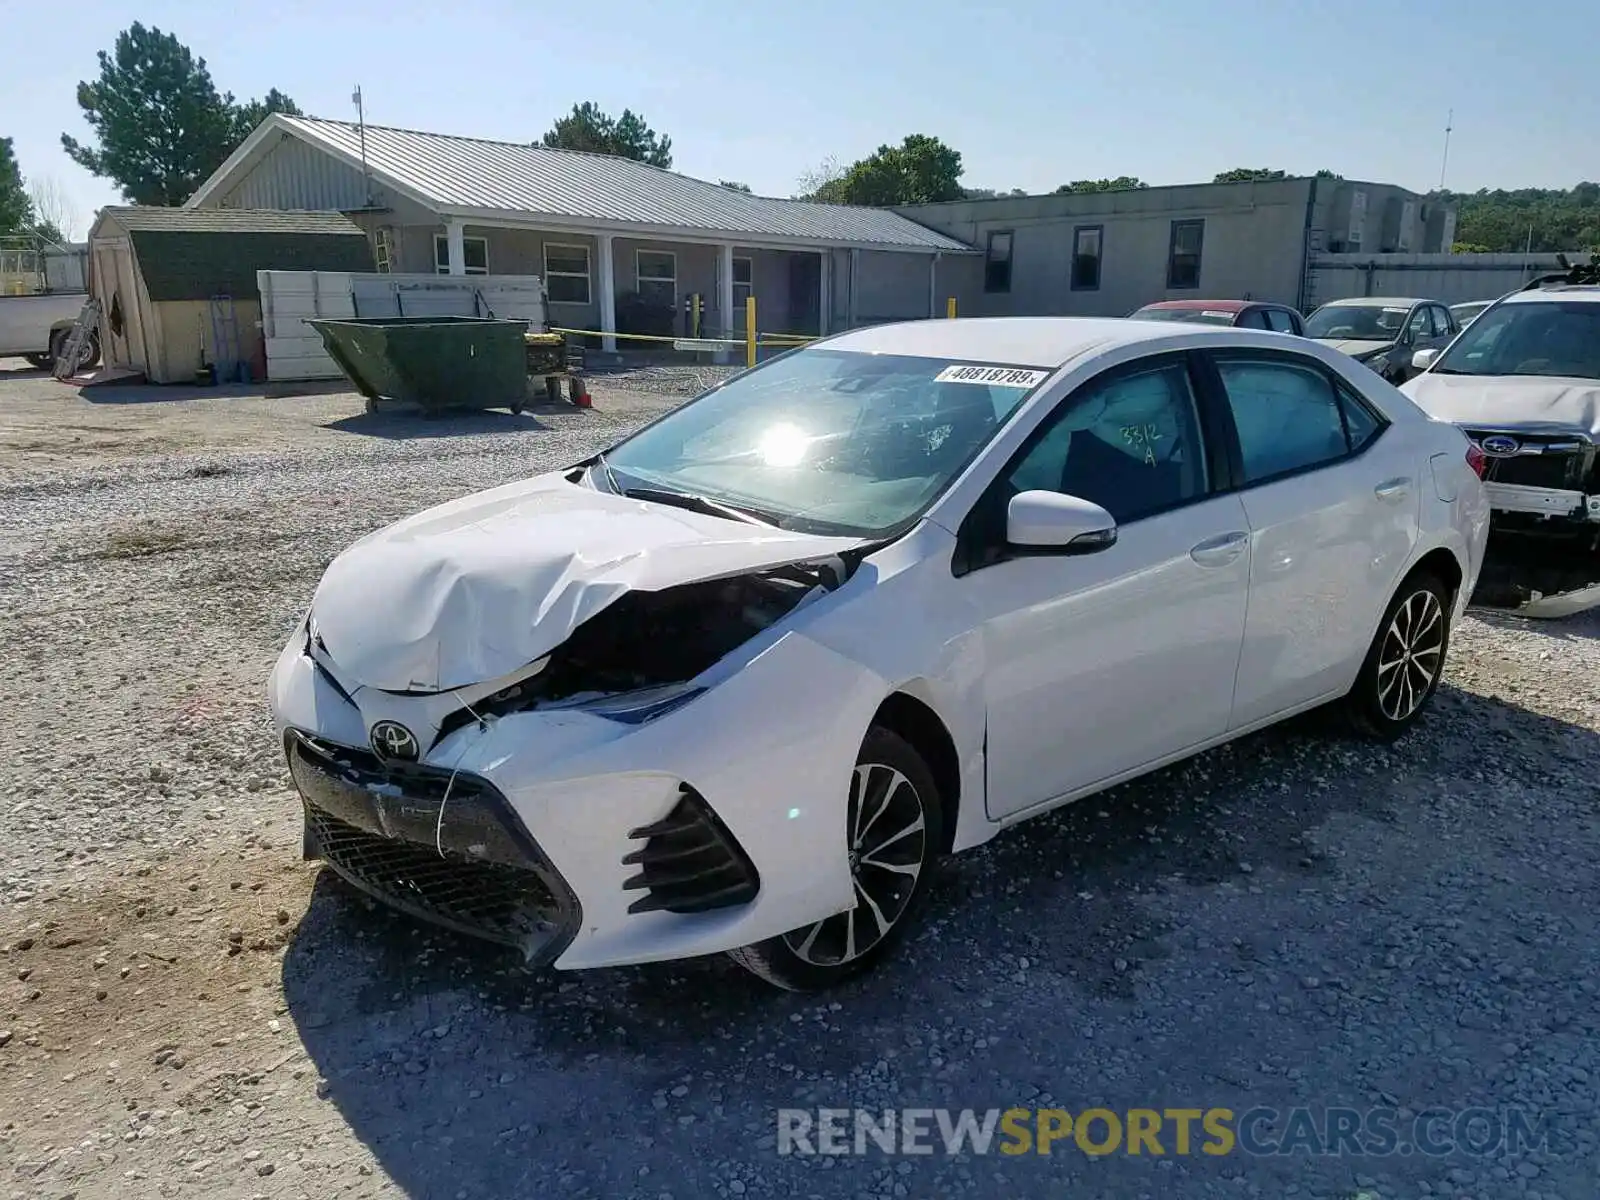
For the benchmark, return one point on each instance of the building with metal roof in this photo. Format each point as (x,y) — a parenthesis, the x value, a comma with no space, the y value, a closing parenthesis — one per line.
(614,240)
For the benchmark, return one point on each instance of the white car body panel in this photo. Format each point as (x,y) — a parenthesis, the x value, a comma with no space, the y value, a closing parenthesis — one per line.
(482,586)
(1087,675)
(1076,672)
(1326,553)
(1526,403)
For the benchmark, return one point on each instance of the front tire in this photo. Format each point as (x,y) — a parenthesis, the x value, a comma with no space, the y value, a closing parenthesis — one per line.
(1406,660)
(895,829)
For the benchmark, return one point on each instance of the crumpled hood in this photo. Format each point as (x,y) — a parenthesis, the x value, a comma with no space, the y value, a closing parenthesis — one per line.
(1536,404)
(1354,347)
(481,586)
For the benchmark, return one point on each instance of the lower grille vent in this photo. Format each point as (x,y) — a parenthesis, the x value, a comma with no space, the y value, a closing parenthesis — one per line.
(690,862)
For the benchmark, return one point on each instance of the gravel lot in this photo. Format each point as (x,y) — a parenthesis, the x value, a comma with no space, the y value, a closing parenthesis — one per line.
(189,1010)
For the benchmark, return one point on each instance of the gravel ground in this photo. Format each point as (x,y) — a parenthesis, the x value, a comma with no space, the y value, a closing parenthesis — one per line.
(1298,920)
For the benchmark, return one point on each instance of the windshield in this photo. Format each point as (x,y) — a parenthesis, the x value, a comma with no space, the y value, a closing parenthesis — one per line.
(1199,316)
(1357,322)
(826,441)
(1543,337)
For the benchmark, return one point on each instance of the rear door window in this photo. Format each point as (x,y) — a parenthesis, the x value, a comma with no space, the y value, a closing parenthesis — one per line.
(1289,415)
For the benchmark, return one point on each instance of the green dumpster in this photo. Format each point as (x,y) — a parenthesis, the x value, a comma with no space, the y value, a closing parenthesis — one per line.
(436,363)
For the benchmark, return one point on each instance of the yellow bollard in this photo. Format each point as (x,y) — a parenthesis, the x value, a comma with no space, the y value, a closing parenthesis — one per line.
(750,331)
(950,308)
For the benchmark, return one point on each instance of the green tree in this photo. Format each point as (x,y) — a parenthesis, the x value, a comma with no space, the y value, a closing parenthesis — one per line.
(247,116)
(587,128)
(160,123)
(920,170)
(990,193)
(1122,183)
(16,210)
(734,186)
(1327,174)
(1250,175)
(1541,219)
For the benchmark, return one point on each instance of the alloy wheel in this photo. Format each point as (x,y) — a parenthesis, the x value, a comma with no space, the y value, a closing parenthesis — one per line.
(888,846)
(1411,656)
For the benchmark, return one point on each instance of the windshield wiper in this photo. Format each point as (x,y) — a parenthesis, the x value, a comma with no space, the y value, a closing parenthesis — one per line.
(705,504)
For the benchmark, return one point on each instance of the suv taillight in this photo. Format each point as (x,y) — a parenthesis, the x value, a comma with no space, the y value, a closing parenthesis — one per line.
(1476,459)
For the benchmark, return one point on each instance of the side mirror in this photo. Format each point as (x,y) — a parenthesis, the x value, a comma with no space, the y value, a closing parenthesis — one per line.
(1051,521)
(1423,359)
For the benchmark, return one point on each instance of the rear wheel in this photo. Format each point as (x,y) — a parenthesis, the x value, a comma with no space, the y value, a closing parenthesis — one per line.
(894,827)
(1406,659)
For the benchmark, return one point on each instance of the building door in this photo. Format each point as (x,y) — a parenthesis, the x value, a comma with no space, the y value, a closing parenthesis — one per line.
(805,294)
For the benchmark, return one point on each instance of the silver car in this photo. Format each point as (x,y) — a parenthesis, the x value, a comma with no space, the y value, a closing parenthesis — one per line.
(1383,331)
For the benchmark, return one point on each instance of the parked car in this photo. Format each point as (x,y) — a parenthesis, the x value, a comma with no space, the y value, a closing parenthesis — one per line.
(1383,332)
(739,682)
(1523,380)
(1241,314)
(1464,313)
(36,327)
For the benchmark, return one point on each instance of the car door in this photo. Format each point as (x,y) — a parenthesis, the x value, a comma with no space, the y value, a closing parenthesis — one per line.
(1445,327)
(1332,505)
(1097,664)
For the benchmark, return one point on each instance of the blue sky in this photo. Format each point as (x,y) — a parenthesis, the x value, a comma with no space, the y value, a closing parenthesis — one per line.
(1032,94)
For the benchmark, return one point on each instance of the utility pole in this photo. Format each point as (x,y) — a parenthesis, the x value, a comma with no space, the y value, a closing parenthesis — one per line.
(361,124)
(1449,122)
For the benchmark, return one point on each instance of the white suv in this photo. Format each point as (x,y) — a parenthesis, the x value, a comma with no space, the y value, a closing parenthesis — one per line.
(1523,381)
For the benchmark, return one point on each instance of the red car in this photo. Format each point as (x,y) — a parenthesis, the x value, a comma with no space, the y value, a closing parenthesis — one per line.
(1247,314)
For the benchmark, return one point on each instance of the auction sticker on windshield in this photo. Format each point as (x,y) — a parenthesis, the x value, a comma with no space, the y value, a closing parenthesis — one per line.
(1017,377)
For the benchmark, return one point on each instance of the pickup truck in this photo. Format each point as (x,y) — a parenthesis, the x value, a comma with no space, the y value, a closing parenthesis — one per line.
(36,326)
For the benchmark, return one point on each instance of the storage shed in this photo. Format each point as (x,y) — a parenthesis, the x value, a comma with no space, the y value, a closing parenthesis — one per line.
(177,286)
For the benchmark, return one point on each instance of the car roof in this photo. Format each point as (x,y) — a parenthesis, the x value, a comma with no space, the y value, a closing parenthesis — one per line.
(1559,291)
(1023,341)
(1379,301)
(1218,305)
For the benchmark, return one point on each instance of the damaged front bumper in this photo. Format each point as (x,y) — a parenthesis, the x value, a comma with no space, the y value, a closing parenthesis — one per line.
(1559,504)
(586,841)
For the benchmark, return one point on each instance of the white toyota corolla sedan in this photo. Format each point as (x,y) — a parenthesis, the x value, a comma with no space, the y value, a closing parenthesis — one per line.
(739,682)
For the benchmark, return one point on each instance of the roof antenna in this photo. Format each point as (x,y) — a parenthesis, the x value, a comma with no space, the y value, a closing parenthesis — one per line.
(1449,122)
(361,124)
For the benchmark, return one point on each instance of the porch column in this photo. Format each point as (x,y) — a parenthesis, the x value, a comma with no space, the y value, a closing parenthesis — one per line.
(933,287)
(608,295)
(855,264)
(825,275)
(456,244)
(731,320)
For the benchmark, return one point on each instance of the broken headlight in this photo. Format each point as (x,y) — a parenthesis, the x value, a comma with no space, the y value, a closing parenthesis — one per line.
(636,708)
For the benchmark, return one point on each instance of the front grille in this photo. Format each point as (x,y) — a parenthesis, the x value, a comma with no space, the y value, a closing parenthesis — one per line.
(689,862)
(1560,463)
(489,900)
(444,846)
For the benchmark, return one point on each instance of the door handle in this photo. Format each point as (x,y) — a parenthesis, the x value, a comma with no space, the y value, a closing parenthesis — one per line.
(1392,489)
(1220,550)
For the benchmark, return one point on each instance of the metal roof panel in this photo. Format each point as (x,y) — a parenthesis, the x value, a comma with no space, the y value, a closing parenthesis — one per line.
(530,181)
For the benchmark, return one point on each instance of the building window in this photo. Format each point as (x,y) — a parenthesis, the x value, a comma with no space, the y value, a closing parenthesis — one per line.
(743,285)
(1183,254)
(566,273)
(1086,257)
(657,273)
(997,263)
(475,250)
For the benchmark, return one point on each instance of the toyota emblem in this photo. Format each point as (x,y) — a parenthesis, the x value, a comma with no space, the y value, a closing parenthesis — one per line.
(1500,446)
(393,742)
